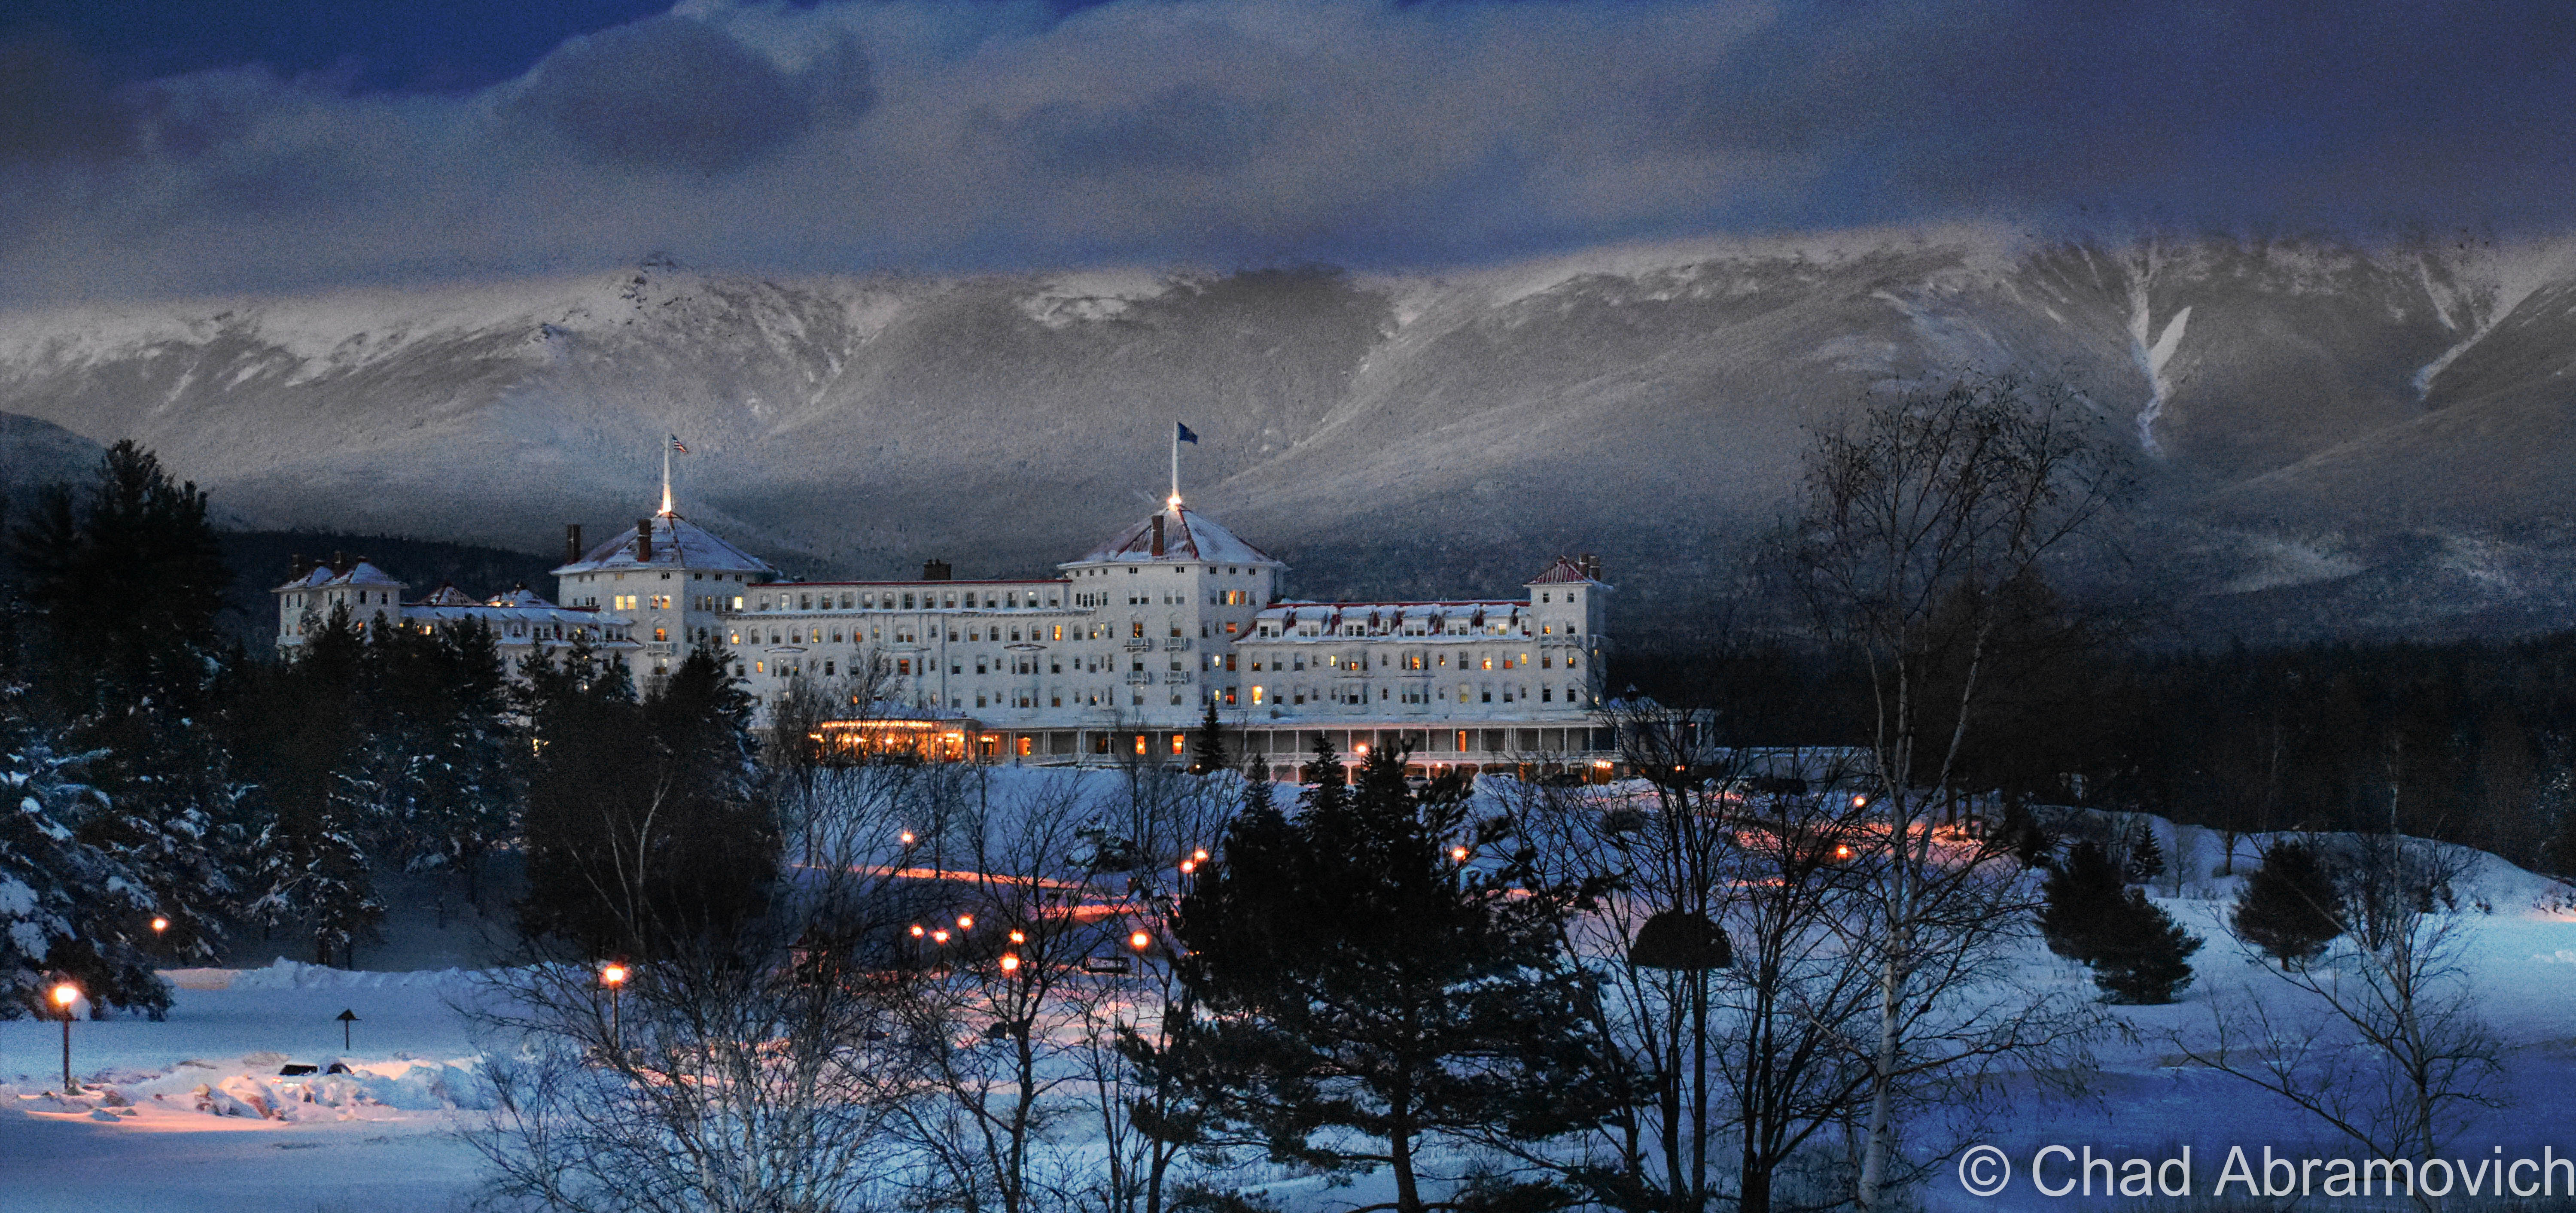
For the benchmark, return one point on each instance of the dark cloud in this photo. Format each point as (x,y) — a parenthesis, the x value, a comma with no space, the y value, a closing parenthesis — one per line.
(1191,128)
(1363,132)
(55,102)
(664,93)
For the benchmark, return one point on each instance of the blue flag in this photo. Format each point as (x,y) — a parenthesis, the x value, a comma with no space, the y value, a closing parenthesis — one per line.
(1187,436)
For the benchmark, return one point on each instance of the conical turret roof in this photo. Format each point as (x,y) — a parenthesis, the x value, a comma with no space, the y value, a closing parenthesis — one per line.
(1189,537)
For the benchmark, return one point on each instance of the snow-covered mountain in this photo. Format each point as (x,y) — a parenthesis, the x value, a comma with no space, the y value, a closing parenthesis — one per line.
(2356,438)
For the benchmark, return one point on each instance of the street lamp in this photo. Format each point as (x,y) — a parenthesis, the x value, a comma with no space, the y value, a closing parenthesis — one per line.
(614,977)
(965,922)
(1140,941)
(1019,937)
(907,838)
(1010,963)
(158,926)
(65,995)
(1458,854)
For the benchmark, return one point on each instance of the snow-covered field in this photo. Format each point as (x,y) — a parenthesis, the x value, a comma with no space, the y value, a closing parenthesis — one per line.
(192,1113)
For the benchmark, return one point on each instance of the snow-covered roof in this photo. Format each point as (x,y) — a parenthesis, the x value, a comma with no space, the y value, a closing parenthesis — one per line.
(677,544)
(1189,537)
(1389,618)
(533,610)
(323,576)
(449,595)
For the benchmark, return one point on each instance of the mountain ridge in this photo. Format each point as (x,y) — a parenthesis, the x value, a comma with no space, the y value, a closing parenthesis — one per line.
(2294,409)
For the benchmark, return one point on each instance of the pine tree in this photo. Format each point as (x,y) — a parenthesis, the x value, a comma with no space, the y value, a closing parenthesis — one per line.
(1207,754)
(121,581)
(2148,955)
(67,907)
(645,822)
(2146,859)
(318,790)
(1352,979)
(2289,907)
(443,745)
(2083,908)
(2136,951)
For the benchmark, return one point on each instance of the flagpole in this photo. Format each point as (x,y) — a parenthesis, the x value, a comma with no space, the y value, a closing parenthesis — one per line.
(1176,461)
(666,475)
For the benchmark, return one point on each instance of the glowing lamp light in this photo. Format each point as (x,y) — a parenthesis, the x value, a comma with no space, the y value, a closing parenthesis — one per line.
(65,995)
(907,838)
(1199,855)
(939,937)
(1458,854)
(916,930)
(1188,866)
(1019,937)
(965,922)
(1842,852)
(159,925)
(1010,963)
(1140,941)
(1362,747)
(613,975)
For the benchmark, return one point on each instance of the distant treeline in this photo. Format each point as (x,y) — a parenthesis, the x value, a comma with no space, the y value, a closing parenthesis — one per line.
(2472,742)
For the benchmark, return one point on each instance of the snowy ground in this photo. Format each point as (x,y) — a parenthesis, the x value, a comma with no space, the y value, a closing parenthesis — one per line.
(191,1113)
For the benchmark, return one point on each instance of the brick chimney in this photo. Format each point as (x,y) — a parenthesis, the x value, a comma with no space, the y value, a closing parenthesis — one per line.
(1158,536)
(934,570)
(1592,566)
(572,543)
(295,566)
(643,541)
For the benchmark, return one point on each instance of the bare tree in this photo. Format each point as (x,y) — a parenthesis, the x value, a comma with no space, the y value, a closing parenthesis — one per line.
(1923,516)
(1014,998)
(2386,1045)
(760,1069)
(1146,847)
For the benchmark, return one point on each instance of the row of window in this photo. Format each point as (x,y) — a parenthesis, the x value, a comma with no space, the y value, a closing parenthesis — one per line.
(1548,659)
(1299,696)
(1272,631)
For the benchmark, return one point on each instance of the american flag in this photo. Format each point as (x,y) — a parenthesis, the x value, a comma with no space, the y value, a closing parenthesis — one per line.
(678,445)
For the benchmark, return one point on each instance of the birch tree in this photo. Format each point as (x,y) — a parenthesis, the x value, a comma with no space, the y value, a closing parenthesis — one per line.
(1925,518)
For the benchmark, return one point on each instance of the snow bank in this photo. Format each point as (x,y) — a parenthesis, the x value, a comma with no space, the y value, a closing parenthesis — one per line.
(295,975)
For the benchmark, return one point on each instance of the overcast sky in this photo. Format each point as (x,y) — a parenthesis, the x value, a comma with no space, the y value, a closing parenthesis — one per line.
(180,147)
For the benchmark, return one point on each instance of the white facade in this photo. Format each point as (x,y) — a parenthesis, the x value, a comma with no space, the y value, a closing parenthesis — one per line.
(1120,652)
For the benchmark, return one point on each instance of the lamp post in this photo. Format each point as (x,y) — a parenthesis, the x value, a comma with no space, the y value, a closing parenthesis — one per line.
(65,994)
(614,977)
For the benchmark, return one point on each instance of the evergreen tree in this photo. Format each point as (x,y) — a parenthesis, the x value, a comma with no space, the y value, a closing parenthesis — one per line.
(2028,839)
(1207,754)
(1352,979)
(67,907)
(645,822)
(442,745)
(2289,906)
(2137,953)
(2083,907)
(2148,957)
(2146,859)
(317,789)
(121,580)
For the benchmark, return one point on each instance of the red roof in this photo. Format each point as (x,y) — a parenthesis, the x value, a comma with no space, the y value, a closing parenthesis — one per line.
(1564,572)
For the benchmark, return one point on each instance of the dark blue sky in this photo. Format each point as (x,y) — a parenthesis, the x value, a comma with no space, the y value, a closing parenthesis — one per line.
(283,144)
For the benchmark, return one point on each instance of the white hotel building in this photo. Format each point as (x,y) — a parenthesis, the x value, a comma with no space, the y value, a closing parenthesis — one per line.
(1116,655)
